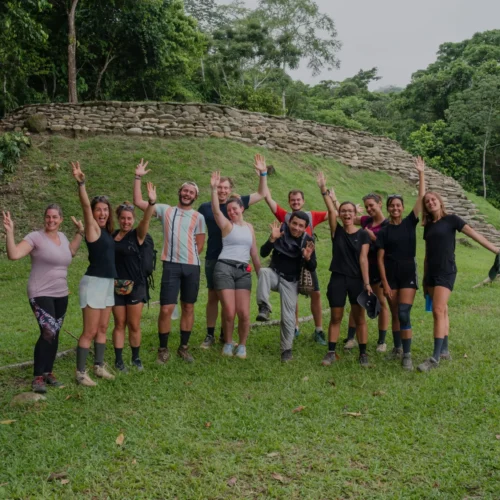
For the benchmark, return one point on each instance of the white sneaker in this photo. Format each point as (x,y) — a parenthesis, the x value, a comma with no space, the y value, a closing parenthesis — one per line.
(101,372)
(82,378)
(350,344)
(381,347)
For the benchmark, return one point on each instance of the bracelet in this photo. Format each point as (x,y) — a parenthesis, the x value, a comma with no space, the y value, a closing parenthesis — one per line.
(81,183)
(263,174)
(81,233)
(137,177)
(325,193)
(151,203)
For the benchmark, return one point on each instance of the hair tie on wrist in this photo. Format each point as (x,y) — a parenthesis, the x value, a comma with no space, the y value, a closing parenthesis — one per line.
(81,183)
(137,177)
(263,174)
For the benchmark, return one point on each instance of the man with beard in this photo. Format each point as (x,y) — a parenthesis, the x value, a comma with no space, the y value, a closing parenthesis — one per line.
(183,240)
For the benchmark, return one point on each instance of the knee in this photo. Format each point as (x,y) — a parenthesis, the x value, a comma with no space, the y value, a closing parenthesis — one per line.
(336,318)
(243,316)
(439,310)
(404,316)
(187,308)
(167,310)
(120,324)
(134,327)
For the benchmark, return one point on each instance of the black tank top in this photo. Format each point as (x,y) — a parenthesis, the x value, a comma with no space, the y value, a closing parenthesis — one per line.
(102,256)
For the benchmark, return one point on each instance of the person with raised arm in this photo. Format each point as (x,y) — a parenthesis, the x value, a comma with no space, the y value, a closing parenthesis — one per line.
(183,240)
(396,255)
(97,285)
(440,269)
(350,274)
(131,296)
(232,274)
(51,254)
(214,245)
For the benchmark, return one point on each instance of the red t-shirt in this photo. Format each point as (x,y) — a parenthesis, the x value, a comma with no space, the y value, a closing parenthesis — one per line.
(315,218)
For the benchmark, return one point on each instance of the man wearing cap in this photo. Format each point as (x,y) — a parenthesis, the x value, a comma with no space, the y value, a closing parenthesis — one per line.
(183,240)
(291,248)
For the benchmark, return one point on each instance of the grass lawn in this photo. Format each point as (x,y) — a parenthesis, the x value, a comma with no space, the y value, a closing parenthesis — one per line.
(226,428)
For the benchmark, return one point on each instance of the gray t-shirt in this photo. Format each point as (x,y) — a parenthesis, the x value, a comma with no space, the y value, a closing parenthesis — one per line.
(49,265)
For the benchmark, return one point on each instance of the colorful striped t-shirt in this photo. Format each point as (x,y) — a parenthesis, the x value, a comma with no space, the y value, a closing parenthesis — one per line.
(179,230)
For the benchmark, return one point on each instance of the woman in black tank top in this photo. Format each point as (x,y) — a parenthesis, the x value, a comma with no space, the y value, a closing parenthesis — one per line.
(97,286)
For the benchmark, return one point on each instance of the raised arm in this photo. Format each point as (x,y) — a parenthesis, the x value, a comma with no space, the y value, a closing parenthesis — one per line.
(254,254)
(143,227)
(329,197)
(261,168)
(221,220)
(14,252)
(276,233)
(92,229)
(77,239)
(471,233)
(270,202)
(420,167)
(140,172)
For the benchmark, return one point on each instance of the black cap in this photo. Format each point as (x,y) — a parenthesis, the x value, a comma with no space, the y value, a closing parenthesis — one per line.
(370,303)
(495,269)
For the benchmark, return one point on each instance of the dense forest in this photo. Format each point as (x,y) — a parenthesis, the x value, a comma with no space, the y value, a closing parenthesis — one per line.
(197,50)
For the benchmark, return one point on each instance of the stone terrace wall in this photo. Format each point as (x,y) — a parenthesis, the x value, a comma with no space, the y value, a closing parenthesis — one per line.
(170,120)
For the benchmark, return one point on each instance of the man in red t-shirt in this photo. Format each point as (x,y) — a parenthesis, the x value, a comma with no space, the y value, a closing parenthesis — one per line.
(296,202)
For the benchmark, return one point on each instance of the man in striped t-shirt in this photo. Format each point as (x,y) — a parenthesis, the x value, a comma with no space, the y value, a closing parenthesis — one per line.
(183,240)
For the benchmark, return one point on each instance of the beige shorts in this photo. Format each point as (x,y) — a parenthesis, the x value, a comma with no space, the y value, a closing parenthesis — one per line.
(97,293)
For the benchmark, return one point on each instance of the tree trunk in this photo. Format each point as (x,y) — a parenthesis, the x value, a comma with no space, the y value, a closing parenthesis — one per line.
(485,147)
(101,74)
(72,94)
(283,93)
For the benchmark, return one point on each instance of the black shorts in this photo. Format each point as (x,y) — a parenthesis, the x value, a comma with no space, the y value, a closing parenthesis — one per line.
(340,287)
(401,274)
(209,273)
(314,276)
(183,277)
(138,294)
(373,273)
(445,280)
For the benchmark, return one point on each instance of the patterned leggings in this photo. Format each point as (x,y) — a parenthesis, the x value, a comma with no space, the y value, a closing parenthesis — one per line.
(49,313)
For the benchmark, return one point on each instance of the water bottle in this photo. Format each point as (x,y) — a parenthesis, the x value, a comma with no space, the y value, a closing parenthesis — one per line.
(175,313)
(428,303)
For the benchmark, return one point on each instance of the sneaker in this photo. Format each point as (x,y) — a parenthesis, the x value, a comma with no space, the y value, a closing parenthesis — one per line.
(137,363)
(445,355)
(101,372)
(50,379)
(286,356)
(82,378)
(120,366)
(396,353)
(296,332)
(363,360)
(38,385)
(227,350)
(263,313)
(319,337)
(350,344)
(208,342)
(427,365)
(381,347)
(329,358)
(241,352)
(406,362)
(163,355)
(183,352)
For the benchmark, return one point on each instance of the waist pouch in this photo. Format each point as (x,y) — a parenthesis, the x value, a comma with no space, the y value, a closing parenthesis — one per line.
(123,287)
(241,265)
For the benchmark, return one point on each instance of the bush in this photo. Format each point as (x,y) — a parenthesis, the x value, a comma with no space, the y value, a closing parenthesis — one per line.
(12,146)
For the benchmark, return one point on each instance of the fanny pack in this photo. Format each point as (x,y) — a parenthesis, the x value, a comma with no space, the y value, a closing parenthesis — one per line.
(123,287)
(242,265)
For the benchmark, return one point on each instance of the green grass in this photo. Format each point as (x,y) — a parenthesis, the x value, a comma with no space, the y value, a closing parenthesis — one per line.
(418,436)
(486,208)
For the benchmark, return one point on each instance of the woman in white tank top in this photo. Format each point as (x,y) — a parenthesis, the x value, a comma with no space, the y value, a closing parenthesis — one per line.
(232,274)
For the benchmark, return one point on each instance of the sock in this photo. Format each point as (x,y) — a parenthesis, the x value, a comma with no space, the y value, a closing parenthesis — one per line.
(332,346)
(318,329)
(221,332)
(210,331)
(445,344)
(163,339)
(185,337)
(362,349)
(81,358)
(135,352)
(381,336)
(99,353)
(118,355)
(351,332)
(406,345)
(438,345)
(397,339)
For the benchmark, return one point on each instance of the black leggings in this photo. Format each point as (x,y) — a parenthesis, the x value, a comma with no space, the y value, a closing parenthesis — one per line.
(49,313)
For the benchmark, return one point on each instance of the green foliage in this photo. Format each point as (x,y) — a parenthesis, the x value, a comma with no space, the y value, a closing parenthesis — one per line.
(12,146)
(262,100)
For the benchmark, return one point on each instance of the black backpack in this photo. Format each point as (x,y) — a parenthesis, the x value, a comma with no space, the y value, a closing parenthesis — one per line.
(147,256)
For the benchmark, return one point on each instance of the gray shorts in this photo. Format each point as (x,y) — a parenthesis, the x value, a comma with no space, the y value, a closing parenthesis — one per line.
(232,275)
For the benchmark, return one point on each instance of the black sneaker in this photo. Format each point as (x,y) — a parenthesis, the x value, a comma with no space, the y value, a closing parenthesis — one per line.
(363,360)
(138,364)
(50,379)
(208,342)
(38,385)
(263,313)
(286,356)
(120,366)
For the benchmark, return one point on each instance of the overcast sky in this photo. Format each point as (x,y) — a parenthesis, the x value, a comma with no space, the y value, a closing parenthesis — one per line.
(398,36)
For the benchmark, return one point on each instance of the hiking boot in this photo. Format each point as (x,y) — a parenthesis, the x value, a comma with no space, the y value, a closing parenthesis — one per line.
(350,344)
(227,350)
(396,353)
(163,355)
(241,352)
(329,358)
(38,385)
(427,365)
(381,347)
(50,379)
(208,342)
(120,366)
(406,362)
(263,313)
(137,363)
(101,372)
(82,378)
(363,360)
(286,356)
(445,355)
(183,352)
(296,332)
(319,337)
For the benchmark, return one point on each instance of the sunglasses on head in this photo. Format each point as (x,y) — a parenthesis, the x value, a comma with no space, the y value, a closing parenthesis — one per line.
(125,206)
(103,199)
(391,197)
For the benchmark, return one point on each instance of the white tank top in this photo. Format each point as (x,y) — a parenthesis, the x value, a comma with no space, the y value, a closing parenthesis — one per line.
(237,244)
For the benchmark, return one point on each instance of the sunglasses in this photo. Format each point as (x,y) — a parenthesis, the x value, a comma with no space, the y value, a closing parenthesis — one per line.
(102,199)
(125,206)
(392,196)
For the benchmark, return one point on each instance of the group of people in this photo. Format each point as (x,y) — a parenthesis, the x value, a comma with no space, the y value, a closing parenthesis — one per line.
(372,255)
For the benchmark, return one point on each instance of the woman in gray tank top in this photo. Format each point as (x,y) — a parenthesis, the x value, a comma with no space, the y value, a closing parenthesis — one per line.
(232,274)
